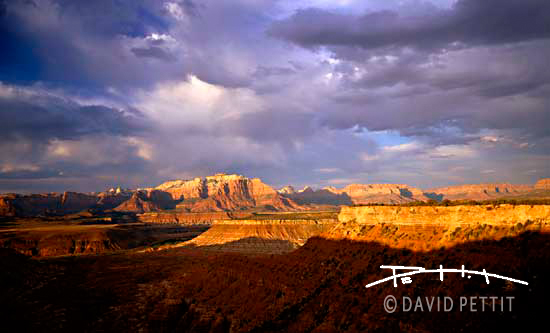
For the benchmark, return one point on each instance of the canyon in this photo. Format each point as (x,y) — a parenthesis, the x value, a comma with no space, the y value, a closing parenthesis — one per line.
(233,213)
(278,271)
(413,227)
(231,254)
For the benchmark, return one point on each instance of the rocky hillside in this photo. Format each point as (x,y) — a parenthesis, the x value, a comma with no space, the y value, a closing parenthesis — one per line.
(320,287)
(146,201)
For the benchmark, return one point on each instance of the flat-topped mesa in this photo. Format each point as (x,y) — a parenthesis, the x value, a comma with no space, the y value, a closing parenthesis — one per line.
(480,191)
(423,228)
(447,216)
(360,190)
(359,194)
(75,202)
(223,192)
(543,184)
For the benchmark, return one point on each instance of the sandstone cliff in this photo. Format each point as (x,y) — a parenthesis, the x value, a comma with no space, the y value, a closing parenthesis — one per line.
(428,228)
(447,216)
(275,235)
(223,192)
(214,193)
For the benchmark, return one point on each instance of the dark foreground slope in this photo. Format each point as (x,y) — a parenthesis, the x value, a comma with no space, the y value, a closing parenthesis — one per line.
(317,288)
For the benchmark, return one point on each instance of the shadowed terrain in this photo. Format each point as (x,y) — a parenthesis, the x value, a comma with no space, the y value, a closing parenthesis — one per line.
(319,287)
(56,239)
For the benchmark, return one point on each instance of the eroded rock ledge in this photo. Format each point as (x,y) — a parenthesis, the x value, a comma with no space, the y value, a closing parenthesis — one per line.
(431,228)
(447,216)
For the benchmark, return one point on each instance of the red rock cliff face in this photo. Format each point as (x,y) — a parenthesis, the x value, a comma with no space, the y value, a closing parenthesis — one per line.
(225,193)
(184,189)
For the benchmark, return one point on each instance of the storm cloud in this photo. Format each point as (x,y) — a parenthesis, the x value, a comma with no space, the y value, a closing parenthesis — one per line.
(95,94)
(41,116)
(468,22)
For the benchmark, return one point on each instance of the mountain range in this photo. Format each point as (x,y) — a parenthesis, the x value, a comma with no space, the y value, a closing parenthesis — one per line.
(223,192)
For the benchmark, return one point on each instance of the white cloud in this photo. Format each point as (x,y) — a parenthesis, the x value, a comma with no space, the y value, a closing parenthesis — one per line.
(403,148)
(160,37)
(175,10)
(98,150)
(196,103)
(453,151)
(144,149)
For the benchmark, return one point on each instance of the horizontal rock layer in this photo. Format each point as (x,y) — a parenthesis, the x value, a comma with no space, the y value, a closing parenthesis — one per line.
(447,216)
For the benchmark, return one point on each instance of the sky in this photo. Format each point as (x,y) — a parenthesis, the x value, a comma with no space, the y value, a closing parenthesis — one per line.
(131,93)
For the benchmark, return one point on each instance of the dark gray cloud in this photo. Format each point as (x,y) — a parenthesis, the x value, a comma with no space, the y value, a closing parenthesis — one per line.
(469,22)
(53,141)
(40,116)
(87,44)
